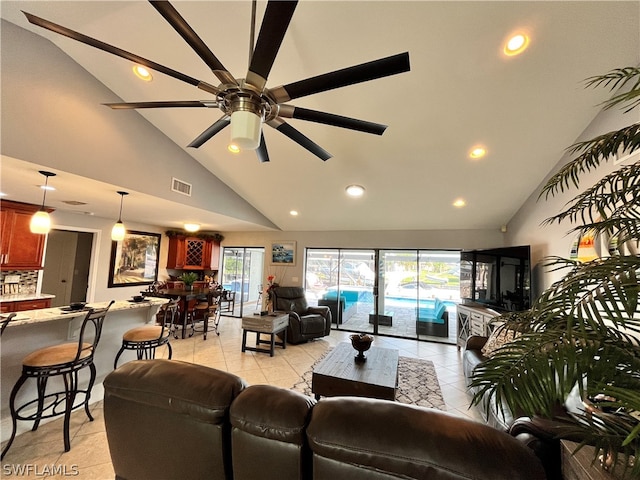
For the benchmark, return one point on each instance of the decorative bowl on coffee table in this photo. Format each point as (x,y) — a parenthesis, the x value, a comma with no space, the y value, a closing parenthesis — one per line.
(361,342)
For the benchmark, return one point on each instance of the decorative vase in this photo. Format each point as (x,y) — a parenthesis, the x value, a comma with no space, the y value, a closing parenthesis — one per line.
(361,342)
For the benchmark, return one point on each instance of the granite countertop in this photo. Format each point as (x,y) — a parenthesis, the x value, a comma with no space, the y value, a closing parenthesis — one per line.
(20,297)
(50,314)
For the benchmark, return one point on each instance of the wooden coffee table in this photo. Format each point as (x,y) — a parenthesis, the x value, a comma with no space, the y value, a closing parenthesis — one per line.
(339,374)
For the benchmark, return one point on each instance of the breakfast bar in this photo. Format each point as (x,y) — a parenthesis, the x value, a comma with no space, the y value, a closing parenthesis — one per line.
(34,329)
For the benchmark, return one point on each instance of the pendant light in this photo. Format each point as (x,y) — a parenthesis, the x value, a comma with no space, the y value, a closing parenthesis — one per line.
(40,221)
(118,230)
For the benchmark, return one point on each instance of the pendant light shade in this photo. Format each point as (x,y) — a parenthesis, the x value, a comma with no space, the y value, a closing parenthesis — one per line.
(40,221)
(118,230)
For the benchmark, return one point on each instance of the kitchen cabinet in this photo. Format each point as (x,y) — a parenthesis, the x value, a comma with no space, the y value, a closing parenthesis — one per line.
(192,253)
(21,249)
(23,305)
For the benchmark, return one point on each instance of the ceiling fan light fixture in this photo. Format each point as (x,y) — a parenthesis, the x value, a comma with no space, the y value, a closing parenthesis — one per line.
(245,130)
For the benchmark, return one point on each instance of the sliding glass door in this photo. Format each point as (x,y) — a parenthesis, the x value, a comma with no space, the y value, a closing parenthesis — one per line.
(344,281)
(402,293)
(242,276)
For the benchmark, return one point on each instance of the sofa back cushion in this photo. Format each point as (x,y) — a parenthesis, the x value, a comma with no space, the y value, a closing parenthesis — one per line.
(362,438)
(268,434)
(169,419)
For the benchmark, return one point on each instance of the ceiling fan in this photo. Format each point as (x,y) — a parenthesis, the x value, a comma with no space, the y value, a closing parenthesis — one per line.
(246,103)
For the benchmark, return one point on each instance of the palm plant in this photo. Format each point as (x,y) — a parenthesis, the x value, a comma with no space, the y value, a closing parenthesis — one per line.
(582,335)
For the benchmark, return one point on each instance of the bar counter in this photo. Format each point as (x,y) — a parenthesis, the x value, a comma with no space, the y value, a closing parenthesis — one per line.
(56,313)
(34,329)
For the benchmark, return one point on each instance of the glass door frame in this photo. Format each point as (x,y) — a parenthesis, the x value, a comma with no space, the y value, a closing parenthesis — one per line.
(244,276)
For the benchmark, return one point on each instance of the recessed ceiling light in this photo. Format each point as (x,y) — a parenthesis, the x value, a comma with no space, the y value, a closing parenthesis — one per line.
(2,194)
(233,148)
(293,213)
(192,227)
(47,187)
(477,152)
(355,190)
(459,203)
(142,73)
(516,44)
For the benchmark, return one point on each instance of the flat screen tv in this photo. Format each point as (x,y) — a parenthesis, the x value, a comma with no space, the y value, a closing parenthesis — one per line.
(499,278)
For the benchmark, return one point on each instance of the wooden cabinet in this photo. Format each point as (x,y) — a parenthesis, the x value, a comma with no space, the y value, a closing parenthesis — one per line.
(23,305)
(191,253)
(21,249)
(473,321)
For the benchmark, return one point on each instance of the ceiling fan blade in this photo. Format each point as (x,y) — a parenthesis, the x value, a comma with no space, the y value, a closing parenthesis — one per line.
(168,104)
(289,111)
(299,138)
(180,25)
(276,20)
(364,72)
(261,151)
(210,132)
(41,22)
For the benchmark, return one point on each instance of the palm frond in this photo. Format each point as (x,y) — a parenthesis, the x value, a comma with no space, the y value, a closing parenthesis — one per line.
(591,153)
(618,79)
(614,194)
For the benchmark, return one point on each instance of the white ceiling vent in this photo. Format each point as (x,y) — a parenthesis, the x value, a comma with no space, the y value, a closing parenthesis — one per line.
(181,187)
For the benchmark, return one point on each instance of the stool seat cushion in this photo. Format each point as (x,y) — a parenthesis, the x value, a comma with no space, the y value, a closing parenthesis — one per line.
(144,333)
(57,355)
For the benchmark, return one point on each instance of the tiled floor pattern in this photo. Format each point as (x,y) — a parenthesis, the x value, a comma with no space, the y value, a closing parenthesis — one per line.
(41,454)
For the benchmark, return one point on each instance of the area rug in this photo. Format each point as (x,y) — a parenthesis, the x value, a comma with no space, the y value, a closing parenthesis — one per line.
(417,383)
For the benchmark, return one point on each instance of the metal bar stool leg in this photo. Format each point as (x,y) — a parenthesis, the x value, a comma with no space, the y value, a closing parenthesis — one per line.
(14,416)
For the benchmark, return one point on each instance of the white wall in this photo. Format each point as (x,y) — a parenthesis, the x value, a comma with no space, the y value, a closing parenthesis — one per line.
(554,240)
(101,227)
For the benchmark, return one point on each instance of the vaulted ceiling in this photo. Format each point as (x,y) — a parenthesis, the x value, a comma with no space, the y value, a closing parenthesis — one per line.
(461,91)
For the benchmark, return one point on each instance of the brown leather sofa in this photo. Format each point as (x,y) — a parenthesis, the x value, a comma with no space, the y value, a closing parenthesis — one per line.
(167,419)
(305,322)
(492,414)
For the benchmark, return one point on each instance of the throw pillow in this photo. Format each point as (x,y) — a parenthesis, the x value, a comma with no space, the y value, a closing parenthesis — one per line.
(497,339)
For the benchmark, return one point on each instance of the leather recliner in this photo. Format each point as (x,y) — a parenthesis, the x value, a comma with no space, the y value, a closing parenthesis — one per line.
(305,322)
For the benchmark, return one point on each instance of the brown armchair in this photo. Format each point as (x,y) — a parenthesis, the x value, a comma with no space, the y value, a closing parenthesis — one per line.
(305,322)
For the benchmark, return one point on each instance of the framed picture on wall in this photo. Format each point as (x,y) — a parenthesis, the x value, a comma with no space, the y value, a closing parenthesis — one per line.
(134,260)
(283,253)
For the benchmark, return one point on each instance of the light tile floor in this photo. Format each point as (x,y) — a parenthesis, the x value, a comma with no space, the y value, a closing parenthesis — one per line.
(40,454)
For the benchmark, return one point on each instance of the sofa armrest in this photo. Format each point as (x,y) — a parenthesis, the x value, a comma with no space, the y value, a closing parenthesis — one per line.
(323,310)
(326,313)
(476,342)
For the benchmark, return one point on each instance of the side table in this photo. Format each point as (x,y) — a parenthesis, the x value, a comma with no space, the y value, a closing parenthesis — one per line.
(271,325)
(580,466)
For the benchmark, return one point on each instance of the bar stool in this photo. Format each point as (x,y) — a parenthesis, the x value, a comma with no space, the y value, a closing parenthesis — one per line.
(5,321)
(146,338)
(205,310)
(64,360)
